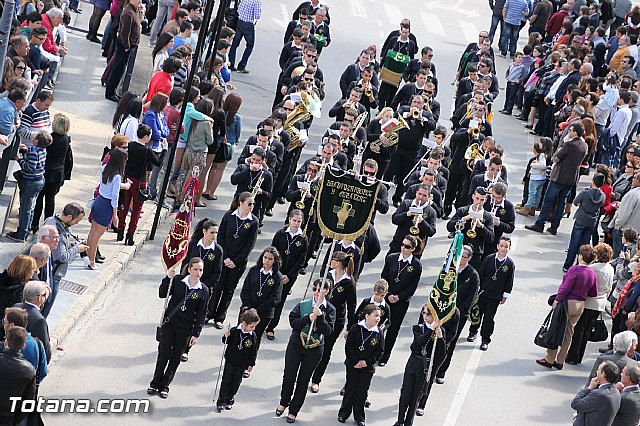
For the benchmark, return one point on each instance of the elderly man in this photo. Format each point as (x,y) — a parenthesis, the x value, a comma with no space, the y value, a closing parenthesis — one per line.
(34,295)
(615,64)
(629,411)
(51,20)
(66,249)
(47,235)
(598,403)
(622,344)
(18,377)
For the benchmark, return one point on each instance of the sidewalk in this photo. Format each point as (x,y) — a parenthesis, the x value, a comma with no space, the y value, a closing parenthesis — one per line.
(80,96)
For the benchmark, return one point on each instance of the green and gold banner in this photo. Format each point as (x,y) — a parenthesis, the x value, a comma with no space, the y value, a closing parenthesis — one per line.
(345,205)
(442,299)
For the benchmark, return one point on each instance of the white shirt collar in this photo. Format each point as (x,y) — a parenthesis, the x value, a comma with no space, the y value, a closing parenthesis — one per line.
(344,276)
(401,259)
(487,178)
(264,272)
(352,245)
(186,281)
(210,247)
(298,232)
(364,324)
(373,302)
(500,204)
(414,203)
(241,328)
(324,302)
(237,213)
(430,326)
(498,257)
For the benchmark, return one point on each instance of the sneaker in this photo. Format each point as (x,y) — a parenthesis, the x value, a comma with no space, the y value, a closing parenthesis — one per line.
(243,71)
(14,236)
(471,337)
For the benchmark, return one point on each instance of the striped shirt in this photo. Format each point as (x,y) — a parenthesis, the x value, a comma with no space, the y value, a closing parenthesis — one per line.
(249,11)
(171,116)
(32,163)
(514,10)
(33,122)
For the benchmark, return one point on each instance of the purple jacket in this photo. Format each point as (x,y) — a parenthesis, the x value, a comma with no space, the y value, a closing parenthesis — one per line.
(579,282)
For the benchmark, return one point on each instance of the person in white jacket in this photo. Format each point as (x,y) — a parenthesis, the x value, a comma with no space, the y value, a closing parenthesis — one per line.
(627,216)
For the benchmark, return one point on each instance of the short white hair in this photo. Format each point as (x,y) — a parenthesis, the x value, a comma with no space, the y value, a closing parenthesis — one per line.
(32,289)
(40,251)
(55,12)
(622,341)
(46,230)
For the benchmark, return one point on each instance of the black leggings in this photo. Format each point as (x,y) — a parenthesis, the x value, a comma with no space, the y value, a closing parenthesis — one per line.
(94,21)
(47,196)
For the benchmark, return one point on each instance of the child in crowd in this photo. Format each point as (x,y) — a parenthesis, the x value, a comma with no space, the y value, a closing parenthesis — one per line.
(536,177)
(380,289)
(514,75)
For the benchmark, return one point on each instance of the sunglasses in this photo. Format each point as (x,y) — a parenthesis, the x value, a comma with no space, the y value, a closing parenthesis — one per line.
(407,246)
(311,56)
(313,170)
(252,203)
(429,92)
(20,68)
(466,257)
(316,289)
(287,109)
(308,79)
(366,173)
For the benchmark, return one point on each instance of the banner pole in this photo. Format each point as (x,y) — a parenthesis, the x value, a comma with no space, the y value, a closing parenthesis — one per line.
(315,264)
(324,280)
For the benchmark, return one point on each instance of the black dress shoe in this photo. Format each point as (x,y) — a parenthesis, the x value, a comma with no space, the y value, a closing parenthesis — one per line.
(129,240)
(342,419)
(396,203)
(120,236)
(552,231)
(534,228)
(302,271)
(269,212)
(112,98)
(76,10)
(291,419)
(279,412)
(484,346)
(94,39)
(281,200)
(367,403)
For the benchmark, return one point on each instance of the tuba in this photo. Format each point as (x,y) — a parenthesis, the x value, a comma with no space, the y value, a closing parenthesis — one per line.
(307,108)
(391,135)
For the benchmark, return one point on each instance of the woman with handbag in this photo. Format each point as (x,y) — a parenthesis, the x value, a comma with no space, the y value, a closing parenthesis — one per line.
(578,283)
(594,307)
(136,172)
(182,321)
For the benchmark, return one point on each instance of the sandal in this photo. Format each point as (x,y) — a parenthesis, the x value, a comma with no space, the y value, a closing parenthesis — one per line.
(200,204)
(291,418)
(314,387)
(151,390)
(280,411)
(419,412)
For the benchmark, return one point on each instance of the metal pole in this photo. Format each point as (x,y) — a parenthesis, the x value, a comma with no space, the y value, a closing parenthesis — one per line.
(216,36)
(5,31)
(183,111)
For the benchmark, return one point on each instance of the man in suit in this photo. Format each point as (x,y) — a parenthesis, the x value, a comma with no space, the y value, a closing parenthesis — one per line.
(18,377)
(629,411)
(622,343)
(34,295)
(598,403)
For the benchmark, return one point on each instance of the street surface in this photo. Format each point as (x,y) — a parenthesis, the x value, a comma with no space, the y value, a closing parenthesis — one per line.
(112,354)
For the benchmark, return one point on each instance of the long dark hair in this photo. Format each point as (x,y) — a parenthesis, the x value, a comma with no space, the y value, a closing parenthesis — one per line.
(192,261)
(346,261)
(123,108)
(201,226)
(115,165)
(277,261)
(231,106)
(217,96)
(163,40)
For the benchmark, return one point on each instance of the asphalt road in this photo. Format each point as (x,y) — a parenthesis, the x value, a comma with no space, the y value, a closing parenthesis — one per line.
(112,354)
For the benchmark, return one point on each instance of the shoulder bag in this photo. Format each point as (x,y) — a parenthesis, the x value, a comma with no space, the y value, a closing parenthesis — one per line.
(599,332)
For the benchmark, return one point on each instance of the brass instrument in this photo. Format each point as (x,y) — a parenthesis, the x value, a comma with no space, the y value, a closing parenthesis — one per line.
(414,230)
(256,187)
(473,154)
(391,135)
(416,114)
(471,232)
(307,108)
(368,91)
(303,194)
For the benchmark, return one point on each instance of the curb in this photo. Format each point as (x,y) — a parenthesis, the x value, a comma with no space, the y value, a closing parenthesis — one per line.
(108,275)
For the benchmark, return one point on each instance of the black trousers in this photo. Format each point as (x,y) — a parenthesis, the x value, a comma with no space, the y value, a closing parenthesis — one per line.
(401,163)
(356,390)
(282,181)
(47,196)
(412,383)
(315,238)
(542,112)
(447,360)
(329,343)
(170,348)
(231,379)
(117,70)
(397,311)
(299,364)
(223,293)
(488,308)
(455,186)
(385,94)
(581,333)
(277,313)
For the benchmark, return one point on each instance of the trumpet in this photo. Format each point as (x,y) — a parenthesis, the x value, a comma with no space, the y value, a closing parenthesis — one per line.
(368,91)
(256,187)
(414,230)
(471,232)
(303,194)
(416,114)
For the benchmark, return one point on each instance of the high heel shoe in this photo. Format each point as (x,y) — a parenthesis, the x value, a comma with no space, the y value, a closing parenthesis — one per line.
(129,240)
(120,235)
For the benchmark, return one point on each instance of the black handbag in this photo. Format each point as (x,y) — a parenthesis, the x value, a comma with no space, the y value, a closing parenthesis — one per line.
(227,151)
(599,332)
(539,340)
(19,177)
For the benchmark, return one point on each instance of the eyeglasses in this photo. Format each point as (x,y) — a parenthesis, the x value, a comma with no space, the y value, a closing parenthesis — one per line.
(407,246)
(483,36)
(308,79)
(287,109)
(312,170)
(251,203)
(21,68)
(41,37)
(466,257)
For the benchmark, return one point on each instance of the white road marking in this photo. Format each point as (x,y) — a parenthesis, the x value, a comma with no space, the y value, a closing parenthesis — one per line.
(357,9)
(393,14)
(463,387)
(469,31)
(432,24)
(460,7)
(284,22)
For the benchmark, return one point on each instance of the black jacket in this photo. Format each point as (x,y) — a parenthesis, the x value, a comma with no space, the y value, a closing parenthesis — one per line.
(352,75)
(385,312)
(18,380)
(213,262)
(484,234)
(294,194)
(369,349)
(468,286)
(237,249)
(242,348)
(296,247)
(10,291)
(263,298)
(408,278)
(37,326)
(58,159)
(403,222)
(324,324)
(343,299)
(246,180)
(195,301)
(495,289)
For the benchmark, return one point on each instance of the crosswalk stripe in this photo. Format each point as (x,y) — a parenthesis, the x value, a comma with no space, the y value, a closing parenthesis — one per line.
(469,31)
(357,8)
(432,24)
(393,14)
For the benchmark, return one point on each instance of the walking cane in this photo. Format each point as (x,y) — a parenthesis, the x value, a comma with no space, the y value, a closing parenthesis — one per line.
(224,349)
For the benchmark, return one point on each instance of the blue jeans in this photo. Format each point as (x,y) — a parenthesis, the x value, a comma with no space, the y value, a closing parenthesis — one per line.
(535,192)
(29,190)
(509,39)
(495,20)
(554,201)
(248,31)
(616,236)
(580,235)
(55,286)
(155,172)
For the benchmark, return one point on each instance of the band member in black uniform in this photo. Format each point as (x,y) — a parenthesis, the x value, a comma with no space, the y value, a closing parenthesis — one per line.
(379,147)
(395,33)
(468,286)
(311,6)
(345,246)
(303,16)
(292,48)
(256,179)
(420,122)
(353,101)
(237,237)
(409,90)
(487,179)
(343,298)
(424,62)
(182,322)
(241,345)
(478,225)
(260,140)
(504,216)
(297,196)
(367,84)
(421,225)
(292,246)
(402,43)
(364,347)
(320,28)
(284,174)
(312,321)
(429,179)
(353,73)
(496,283)
(380,290)
(402,271)
(203,245)
(425,335)
(262,288)
(309,56)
